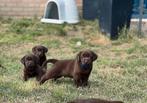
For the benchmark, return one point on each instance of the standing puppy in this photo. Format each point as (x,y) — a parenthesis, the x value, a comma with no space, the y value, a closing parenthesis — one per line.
(31,67)
(79,69)
(93,100)
(40,52)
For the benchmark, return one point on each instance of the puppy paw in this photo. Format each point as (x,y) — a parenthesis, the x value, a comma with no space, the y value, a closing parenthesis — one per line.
(40,83)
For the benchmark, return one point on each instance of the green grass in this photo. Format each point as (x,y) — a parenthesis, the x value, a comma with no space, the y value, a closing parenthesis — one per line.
(119,73)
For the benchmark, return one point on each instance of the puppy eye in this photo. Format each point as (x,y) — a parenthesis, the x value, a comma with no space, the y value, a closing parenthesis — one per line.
(86,55)
(29,59)
(39,49)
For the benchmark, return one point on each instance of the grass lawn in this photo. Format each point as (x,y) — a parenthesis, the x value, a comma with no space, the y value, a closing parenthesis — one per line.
(119,73)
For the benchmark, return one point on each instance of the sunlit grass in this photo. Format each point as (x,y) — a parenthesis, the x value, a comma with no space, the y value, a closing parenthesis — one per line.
(120,72)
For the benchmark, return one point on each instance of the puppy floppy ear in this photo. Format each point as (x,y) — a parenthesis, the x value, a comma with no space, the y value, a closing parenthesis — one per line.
(23,60)
(94,56)
(45,49)
(78,56)
(34,49)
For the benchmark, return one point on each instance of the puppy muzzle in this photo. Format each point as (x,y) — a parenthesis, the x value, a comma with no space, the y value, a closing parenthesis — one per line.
(86,61)
(85,66)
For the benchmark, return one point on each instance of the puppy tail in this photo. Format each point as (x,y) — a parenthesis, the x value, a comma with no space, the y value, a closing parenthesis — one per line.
(53,61)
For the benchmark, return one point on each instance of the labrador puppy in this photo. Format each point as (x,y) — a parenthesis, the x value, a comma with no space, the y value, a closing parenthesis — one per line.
(93,100)
(79,69)
(40,52)
(31,67)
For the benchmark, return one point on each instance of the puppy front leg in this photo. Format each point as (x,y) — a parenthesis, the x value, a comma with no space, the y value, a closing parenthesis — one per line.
(77,81)
(38,78)
(53,74)
(84,82)
(43,79)
(25,77)
(40,74)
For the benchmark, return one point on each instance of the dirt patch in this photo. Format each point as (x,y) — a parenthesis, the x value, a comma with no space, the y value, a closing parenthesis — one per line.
(17,50)
(111,71)
(101,40)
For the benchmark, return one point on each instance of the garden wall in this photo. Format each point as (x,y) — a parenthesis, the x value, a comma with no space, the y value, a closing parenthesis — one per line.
(24,8)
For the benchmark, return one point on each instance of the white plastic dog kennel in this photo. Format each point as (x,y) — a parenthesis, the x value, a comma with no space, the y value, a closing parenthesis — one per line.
(60,11)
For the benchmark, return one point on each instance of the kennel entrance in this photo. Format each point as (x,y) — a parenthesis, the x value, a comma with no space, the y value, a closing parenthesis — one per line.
(52,11)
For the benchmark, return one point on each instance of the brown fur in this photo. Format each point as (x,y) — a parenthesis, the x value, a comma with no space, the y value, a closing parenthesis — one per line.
(93,100)
(31,67)
(40,52)
(79,69)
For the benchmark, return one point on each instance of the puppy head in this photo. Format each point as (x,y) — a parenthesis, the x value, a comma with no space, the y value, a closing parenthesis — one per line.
(29,61)
(39,50)
(86,57)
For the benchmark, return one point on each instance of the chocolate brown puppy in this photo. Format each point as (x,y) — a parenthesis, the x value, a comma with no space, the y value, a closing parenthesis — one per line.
(40,52)
(93,100)
(31,67)
(79,69)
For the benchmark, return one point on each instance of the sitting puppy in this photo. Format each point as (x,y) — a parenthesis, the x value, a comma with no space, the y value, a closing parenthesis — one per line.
(93,100)
(40,51)
(79,69)
(31,67)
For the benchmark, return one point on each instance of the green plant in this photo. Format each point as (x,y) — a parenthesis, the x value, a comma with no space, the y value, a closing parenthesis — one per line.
(127,35)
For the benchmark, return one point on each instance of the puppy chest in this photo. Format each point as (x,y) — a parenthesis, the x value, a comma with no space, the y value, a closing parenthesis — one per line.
(32,74)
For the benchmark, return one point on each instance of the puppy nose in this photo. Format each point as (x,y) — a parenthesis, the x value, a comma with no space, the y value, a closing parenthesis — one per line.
(29,63)
(40,53)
